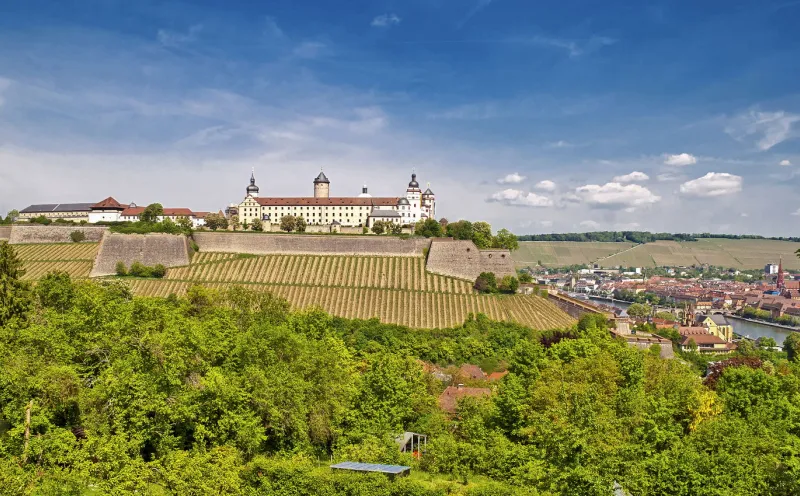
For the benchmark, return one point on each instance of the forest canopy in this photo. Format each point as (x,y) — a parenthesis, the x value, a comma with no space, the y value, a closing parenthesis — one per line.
(232,392)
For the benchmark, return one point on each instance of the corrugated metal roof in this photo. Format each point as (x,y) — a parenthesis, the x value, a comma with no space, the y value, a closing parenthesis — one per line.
(371,467)
(57,207)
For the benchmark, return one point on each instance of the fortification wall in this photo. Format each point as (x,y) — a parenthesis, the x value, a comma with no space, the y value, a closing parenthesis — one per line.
(5,232)
(464,260)
(168,250)
(305,244)
(21,233)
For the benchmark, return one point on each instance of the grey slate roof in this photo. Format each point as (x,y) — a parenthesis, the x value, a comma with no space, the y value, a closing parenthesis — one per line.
(322,178)
(384,213)
(57,207)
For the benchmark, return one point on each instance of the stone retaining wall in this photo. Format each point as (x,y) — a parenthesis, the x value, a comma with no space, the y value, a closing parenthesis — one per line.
(22,233)
(5,232)
(464,260)
(305,244)
(169,250)
(574,308)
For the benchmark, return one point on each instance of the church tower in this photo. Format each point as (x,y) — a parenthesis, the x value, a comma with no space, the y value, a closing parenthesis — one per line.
(252,190)
(779,282)
(322,187)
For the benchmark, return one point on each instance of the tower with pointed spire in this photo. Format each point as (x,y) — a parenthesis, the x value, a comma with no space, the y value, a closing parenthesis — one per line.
(252,189)
(779,282)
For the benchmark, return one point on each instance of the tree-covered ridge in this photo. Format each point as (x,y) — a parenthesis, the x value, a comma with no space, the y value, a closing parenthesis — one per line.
(232,393)
(642,237)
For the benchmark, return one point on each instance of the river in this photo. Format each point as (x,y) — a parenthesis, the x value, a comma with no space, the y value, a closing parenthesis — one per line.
(752,330)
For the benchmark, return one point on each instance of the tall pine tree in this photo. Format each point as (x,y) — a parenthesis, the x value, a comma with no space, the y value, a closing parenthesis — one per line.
(15,295)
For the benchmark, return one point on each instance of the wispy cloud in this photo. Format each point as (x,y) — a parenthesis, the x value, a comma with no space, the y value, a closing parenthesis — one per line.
(271,28)
(769,128)
(174,39)
(784,163)
(309,50)
(479,5)
(575,48)
(633,177)
(385,20)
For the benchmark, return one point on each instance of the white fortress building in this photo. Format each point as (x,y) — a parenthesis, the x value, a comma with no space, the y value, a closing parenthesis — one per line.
(323,209)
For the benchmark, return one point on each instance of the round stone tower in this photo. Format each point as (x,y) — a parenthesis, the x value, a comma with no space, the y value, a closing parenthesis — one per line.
(322,187)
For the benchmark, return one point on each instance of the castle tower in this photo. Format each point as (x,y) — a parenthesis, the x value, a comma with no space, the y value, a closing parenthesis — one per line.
(429,203)
(322,187)
(252,190)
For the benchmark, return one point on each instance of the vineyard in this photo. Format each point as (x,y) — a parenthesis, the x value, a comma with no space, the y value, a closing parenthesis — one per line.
(76,259)
(404,273)
(416,309)
(394,289)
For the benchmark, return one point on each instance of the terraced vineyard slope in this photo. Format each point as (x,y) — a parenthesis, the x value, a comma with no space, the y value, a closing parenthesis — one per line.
(74,258)
(395,290)
(563,253)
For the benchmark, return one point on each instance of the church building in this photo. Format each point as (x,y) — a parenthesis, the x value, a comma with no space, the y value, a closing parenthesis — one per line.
(322,209)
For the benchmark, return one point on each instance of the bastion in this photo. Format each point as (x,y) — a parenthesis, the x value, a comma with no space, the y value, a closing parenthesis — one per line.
(169,250)
(462,259)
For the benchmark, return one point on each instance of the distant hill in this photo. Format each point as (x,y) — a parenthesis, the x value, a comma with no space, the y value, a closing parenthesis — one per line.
(641,237)
(748,253)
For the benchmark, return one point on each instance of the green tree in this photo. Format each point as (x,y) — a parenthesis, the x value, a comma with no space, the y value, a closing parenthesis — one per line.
(257,225)
(77,236)
(639,310)
(216,221)
(55,290)
(509,284)
(288,223)
(151,213)
(460,230)
(15,298)
(666,316)
(791,345)
(10,217)
(505,239)
(185,223)
(379,227)
(234,222)
(482,235)
(300,224)
(767,342)
(525,277)
(428,228)
(120,269)
(486,282)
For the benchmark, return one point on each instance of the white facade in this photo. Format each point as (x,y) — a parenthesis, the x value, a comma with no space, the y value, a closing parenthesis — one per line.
(321,209)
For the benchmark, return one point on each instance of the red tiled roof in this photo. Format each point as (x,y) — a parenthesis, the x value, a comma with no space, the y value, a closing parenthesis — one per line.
(169,212)
(702,339)
(201,215)
(448,400)
(470,371)
(109,202)
(692,331)
(343,201)
(496,376)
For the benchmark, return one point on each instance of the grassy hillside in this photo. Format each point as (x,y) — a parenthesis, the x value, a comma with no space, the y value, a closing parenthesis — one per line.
(734,253)
(563,253)
(393,289)
(74,258)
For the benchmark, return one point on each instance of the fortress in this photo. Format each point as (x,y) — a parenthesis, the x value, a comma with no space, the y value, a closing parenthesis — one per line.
(322,209)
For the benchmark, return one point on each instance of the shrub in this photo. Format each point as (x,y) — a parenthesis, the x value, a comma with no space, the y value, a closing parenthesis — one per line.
(121,269)
(509,284)
(195,247)
(365,230)
(486,282)
(77,236)
(138,269)
(158,271)
(41,220)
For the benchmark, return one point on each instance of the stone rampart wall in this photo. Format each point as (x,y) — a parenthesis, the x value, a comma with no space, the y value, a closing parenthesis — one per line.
(464,260)
(168,250)
(21,233)
(305,244)
(5,232)
(574,308)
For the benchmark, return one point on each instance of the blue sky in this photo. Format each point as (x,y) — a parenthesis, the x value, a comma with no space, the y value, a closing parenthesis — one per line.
(535,116)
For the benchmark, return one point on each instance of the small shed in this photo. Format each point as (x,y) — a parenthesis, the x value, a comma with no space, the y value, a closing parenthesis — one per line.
(390,470)
(411,442)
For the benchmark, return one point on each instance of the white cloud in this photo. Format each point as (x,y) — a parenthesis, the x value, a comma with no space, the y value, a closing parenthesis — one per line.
(772,128)
(590,224)
(517,198)
(384,20)
(712,184)
(784,163)
(796,212)
(575,48)
(308,49)
(513,178)
(615,195)
(560,144)
(633,177)
(546,185)
(173,39)
(271,28)
(680,160)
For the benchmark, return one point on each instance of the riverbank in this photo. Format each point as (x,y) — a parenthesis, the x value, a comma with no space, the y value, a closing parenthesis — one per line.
(764,322)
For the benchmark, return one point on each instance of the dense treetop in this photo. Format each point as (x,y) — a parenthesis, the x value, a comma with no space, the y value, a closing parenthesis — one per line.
(234,393)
